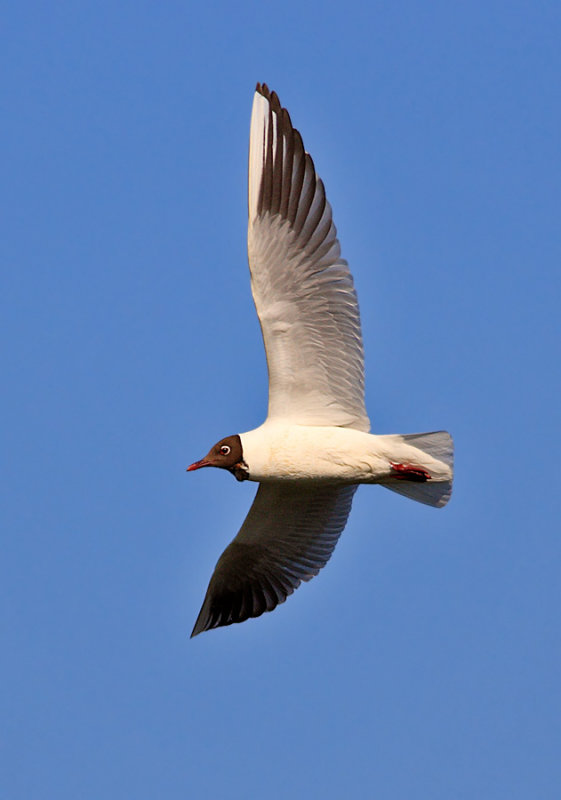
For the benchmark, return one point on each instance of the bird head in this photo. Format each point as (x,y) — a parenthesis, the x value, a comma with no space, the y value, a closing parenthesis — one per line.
(225,454)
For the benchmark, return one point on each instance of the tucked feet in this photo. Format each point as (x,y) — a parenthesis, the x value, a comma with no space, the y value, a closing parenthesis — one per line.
(409,472)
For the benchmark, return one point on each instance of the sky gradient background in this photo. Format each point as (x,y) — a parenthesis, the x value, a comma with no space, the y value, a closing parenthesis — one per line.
(424,660)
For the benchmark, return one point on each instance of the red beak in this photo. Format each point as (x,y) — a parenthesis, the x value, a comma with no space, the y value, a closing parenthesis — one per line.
(198,465)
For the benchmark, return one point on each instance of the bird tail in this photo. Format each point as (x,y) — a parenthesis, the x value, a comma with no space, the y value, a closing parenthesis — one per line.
(433,453)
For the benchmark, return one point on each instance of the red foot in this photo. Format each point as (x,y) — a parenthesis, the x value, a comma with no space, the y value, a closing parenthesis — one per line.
(409,472)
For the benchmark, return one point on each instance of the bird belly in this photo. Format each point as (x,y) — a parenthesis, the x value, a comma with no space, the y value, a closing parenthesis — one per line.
(322,454)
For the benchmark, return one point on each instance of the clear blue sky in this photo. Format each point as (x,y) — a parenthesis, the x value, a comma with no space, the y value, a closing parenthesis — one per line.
(424,661)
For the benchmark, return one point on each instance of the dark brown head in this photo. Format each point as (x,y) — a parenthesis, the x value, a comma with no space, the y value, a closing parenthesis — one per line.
(226,454)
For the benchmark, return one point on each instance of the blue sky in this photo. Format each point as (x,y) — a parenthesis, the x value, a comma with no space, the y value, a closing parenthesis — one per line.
(424,660)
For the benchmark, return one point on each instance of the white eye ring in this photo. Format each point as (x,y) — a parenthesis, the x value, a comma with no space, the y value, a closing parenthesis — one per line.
(225,450)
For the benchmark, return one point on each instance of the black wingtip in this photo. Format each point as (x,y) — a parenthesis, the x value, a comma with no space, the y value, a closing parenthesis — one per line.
(200,625)
(264,91)
(198,629)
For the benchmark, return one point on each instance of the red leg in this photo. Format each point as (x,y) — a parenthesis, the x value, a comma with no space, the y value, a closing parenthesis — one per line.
(410,472)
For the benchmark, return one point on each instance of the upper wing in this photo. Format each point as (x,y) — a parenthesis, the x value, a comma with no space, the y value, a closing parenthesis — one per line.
(303,289)
(287,537)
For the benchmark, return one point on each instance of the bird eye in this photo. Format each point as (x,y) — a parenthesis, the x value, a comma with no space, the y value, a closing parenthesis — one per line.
(225,450)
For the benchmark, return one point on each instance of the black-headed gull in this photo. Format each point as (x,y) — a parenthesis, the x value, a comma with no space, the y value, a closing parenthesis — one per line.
(314,448)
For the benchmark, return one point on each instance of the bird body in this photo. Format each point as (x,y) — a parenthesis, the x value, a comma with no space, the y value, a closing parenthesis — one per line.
(315,447)
(281,451)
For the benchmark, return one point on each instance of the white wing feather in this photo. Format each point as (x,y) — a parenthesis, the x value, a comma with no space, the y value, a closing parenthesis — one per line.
(302,288)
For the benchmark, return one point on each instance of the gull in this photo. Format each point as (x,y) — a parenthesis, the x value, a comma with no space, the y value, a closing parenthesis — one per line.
(315,446)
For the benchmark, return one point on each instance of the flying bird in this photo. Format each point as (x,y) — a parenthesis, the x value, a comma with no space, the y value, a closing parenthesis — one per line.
(315,447)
